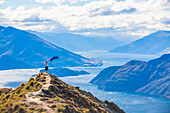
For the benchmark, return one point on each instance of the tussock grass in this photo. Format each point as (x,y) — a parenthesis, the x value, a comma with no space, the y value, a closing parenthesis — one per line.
(9,97)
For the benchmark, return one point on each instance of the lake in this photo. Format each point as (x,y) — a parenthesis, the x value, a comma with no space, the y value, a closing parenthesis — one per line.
(130,102)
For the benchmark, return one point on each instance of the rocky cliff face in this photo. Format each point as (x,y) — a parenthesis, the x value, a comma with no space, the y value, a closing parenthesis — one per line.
(47,93)
(151,77)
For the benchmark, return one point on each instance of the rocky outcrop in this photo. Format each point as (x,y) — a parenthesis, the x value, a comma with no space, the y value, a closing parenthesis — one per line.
(152,77)
(47,93)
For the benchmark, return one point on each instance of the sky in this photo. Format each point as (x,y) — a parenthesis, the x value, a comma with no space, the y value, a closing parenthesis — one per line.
(87,17)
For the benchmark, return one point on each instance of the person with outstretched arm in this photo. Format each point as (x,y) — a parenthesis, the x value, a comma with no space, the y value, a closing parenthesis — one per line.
(46,65)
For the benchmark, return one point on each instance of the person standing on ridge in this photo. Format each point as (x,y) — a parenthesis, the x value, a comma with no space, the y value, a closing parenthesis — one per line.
(46,65)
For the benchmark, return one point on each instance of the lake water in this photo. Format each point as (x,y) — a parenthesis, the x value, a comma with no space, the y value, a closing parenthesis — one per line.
(130,102)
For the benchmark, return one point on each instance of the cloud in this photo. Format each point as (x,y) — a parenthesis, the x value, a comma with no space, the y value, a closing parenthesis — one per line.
(133,17)
(19,14)
(50,1)
(166,20)
(2,1)
(110,12)
(58,2)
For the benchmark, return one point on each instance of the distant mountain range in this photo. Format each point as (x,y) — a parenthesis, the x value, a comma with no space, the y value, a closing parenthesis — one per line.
(154,43)
(20,46)
(152,77)
(76,42)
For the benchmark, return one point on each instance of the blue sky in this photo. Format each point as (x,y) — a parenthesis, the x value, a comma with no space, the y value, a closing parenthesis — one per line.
(87,17)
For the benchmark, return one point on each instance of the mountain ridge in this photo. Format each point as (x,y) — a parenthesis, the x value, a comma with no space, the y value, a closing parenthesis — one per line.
(137,76)
(81,43)
(32,50)
(154,43)
(47,93)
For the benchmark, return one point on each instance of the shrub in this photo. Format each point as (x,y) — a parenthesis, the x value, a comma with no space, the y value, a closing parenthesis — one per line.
(31,83)
(3,100)
(3,109)
(31,108)
(18,90)
(60,109)
(22,84)
(43,77)
(27,87)
(9,105)
(52,106)
(94,109)
(21,110)
(11,96)
(59,95)
(37,109)
(37,84)
(87,110)
(37,76)
(31,79)
(16,107)
(57,98)
(21,95)
(7,96)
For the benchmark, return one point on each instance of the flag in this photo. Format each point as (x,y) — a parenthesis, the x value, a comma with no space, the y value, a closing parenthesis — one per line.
(55,57)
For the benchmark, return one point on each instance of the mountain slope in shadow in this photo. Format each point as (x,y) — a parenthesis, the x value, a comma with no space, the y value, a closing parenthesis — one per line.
(152,77)
(32,50)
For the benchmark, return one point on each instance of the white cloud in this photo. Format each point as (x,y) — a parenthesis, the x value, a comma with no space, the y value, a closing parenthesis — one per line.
(58,2)
(50,1)
(2,1)
(145,17)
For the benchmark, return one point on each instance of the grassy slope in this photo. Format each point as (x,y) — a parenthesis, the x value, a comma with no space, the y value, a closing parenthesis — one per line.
(47,93)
